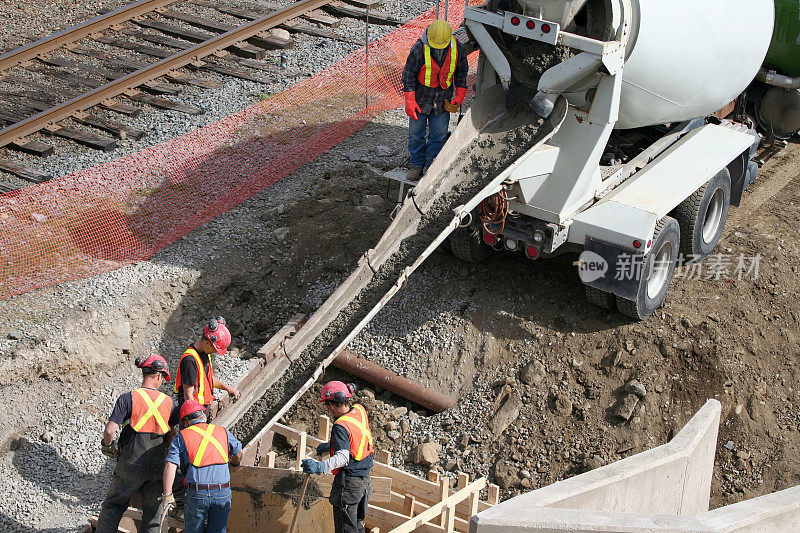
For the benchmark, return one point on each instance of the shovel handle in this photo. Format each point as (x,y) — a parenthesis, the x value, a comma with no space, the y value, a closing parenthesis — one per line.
(306,477)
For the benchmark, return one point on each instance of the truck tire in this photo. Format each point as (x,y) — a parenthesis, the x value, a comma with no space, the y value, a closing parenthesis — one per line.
(660,264)
(702,217)
(606,300)
(466,244)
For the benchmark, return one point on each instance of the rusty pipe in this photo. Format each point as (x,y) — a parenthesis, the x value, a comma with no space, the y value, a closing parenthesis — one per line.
(396,384)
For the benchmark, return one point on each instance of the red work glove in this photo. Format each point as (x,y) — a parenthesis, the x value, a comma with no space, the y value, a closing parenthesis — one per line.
(411,104)
(461,92)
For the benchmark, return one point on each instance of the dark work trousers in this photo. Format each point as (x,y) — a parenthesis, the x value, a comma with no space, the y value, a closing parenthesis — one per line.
(349,497)
(136,471)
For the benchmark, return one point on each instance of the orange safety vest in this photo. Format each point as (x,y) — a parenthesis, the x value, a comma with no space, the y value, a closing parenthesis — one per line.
(151,410)
(432,75)
(357,425)
(205,385)
(207,444)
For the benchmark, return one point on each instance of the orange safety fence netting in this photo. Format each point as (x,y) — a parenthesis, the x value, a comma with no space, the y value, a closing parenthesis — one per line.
(125,210)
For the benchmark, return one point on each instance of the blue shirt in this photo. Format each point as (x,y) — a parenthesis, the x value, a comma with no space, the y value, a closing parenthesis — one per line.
(178,454)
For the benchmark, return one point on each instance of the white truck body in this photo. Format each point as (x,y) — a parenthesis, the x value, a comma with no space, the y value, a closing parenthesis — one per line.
(664,62)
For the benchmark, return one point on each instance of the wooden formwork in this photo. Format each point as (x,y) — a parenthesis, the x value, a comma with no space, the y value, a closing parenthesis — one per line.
(410,504)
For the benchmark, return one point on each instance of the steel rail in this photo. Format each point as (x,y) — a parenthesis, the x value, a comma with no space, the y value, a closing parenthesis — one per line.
(134,79)
(81,31)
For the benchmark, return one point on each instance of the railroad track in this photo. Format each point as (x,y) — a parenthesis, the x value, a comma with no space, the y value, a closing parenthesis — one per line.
(139,54)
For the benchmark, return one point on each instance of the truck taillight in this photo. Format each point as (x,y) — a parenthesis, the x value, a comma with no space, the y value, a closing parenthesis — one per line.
(545,28)
(532,251)
(637,244)
(515,21)
(530,24)
(489,238)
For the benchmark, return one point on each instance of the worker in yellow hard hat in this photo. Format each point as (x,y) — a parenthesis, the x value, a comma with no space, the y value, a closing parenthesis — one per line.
(435,71)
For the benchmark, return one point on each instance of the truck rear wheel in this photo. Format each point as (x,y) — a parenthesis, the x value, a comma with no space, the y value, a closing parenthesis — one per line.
(600,298)
(657,271)
(702,217)
(466,244)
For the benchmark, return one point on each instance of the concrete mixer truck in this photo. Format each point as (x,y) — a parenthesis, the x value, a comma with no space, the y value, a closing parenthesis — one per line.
(639,173)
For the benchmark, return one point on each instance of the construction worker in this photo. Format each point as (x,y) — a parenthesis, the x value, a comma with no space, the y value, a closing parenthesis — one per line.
(350,450)
(435,65)
(195,377)
(145,416)
(202,451)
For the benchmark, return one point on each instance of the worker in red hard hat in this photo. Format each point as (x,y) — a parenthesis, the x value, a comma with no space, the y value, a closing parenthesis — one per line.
(195,377)
(350,453)
(434,84)
(202,451)
(146,416)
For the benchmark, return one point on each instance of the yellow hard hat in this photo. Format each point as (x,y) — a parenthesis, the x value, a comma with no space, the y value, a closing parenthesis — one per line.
(439,33)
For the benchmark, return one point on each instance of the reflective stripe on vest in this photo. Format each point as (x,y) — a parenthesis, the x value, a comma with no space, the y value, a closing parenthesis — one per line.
(151,410)
(205,385)
(198,437)
(431,74)
(357,425)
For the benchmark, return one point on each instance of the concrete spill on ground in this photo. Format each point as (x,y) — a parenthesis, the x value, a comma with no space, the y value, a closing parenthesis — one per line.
(485,157)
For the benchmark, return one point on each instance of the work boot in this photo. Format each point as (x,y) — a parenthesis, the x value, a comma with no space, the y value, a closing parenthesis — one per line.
(414,174)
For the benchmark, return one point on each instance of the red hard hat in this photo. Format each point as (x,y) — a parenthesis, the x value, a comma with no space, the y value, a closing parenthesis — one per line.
(336,391)
(155,362)
(217,333)
(191,406)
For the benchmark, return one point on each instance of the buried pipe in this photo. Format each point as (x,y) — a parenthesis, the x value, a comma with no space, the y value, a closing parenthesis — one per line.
(403,387)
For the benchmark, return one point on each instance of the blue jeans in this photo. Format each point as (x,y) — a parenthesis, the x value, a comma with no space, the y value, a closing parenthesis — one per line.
(212,506)
(426,136)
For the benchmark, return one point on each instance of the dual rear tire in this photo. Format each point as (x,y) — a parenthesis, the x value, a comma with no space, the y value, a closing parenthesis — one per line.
(691,235)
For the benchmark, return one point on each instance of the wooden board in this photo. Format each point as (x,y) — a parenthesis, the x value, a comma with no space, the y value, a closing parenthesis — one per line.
(340,9)
(298,26)
(235,72)
(163,40)
(188,79)
(32,147)
(115,128)
(176,31)
(123,109)
(141,48)
(258,478)
(163,103)
(28,174)
(98,142)
(268,41)
(77,67)
(315,16)
(160,88)
(66,76)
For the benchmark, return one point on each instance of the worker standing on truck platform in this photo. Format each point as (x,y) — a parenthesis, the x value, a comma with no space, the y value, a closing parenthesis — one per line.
(202,451)
(435,65)
(145,416)
(195,377)
(350,450)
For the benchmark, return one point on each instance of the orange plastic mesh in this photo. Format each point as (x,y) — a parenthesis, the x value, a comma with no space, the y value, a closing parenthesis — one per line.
(125,210)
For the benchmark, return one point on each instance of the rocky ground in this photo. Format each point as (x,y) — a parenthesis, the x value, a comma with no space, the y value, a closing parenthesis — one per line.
(511,340)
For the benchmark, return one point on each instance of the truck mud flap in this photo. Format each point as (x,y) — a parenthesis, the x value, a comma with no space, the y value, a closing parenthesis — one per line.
(612,268)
